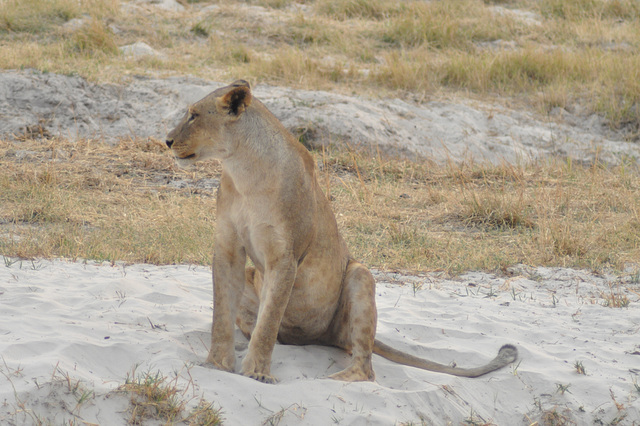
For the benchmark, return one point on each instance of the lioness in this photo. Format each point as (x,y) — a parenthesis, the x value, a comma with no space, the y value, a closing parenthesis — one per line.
(305,288)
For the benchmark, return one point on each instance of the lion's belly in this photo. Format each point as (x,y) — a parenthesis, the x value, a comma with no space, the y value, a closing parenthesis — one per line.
(310,311)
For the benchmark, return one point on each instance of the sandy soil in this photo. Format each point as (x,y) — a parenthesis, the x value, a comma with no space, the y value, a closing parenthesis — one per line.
(94,323)
(70,107)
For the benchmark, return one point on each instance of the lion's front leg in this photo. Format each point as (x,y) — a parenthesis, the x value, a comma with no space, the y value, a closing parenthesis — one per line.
(274,297)
(228,284)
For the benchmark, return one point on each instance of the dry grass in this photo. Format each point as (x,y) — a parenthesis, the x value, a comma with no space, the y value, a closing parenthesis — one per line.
(465,217)
(35,16)
(155,396)
(615,298)
(87,200)
(93,38)
(93,201)
(546,53)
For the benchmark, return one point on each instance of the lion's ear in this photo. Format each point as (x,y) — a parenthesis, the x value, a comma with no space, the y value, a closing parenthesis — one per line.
(236,100)
(239,83)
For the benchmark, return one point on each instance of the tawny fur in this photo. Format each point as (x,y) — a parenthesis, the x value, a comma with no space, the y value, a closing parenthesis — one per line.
(305,288)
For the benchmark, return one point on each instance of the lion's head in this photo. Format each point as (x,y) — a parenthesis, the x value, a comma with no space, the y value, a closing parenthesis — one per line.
(202,131)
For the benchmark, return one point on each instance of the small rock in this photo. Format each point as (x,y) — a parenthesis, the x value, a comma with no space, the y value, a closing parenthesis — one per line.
(618,47)
(498,45)
(170,5)
(114,29)
(75,23)
(524,16)
(210,9)
(138,50)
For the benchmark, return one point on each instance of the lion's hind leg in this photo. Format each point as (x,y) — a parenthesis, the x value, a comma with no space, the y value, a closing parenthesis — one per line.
(354,325)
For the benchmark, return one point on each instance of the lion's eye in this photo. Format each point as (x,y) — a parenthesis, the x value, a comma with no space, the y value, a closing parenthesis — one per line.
(192,117)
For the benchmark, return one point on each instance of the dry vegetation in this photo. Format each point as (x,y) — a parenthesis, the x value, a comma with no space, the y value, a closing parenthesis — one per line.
(546,53)
(86,200)
(155,396)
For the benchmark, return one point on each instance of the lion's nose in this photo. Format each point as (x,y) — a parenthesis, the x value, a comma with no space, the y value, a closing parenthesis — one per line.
(169,142)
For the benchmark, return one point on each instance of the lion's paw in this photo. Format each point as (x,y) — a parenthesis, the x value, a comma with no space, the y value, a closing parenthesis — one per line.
(264,378)
(224,364)
(353,374)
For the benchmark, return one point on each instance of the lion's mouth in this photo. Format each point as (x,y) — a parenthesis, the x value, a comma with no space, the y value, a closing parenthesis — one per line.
(188,157)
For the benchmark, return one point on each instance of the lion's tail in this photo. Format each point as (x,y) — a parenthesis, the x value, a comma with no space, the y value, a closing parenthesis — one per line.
(506,355)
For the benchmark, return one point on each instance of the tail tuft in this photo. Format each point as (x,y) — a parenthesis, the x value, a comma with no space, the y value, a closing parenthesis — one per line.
(507,354)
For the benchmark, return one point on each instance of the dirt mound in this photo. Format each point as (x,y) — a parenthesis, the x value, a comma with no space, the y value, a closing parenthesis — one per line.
(33,103)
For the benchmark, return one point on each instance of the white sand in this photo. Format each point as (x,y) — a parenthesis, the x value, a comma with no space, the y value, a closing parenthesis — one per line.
(94,322)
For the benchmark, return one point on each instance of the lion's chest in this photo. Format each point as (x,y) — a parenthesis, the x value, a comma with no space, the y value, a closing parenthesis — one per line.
(259,231)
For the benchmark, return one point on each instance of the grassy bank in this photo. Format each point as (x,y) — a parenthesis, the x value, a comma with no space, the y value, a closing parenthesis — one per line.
(130,202)
(547,53)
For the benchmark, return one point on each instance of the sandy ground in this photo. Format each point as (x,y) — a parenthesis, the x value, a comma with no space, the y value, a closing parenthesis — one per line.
(440,130)
(90,324)
(63,321)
